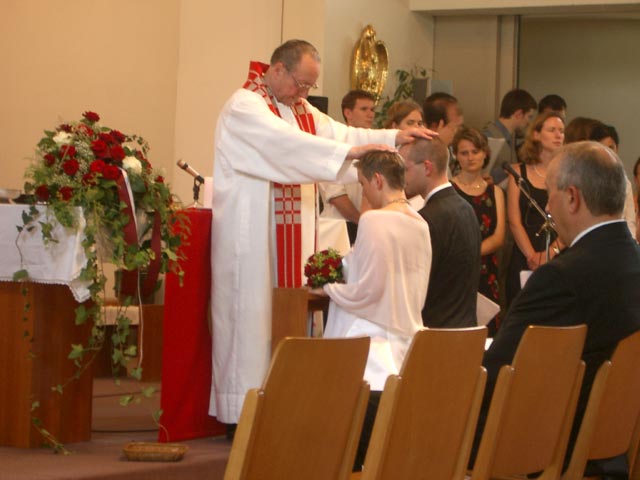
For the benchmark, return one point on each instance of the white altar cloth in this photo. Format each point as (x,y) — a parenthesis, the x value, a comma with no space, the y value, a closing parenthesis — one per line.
(55,263)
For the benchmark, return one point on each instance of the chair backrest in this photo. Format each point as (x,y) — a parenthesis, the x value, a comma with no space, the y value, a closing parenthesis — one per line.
(428,413)
(533,405)
(306,419)
(612,411)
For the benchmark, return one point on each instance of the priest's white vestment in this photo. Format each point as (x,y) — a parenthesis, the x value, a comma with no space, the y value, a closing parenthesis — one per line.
(253,148)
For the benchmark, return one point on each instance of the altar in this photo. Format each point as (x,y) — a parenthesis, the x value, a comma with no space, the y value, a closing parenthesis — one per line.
(35,342)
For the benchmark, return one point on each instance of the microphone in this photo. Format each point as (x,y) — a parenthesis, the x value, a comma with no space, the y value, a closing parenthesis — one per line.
(187,168)
(507,168)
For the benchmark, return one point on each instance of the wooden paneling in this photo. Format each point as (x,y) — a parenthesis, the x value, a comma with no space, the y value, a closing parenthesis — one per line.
(26,378)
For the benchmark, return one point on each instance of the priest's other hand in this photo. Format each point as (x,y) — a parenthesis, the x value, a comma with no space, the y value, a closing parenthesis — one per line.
(408,135)
(359,151)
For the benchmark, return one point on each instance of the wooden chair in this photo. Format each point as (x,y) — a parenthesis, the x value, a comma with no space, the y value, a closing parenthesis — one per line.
(533,405)
(611,416)
(427,416)
(634,457)
(305,421)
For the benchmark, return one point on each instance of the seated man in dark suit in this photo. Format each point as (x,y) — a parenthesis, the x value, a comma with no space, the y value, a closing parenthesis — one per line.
(455,237)
(595,281)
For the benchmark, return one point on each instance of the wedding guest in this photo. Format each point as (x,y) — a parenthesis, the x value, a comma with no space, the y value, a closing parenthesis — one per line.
(472,151)
(544,137)
(517,109)
(343,201)
(607,135)
(596,281)
(443,114)
(386,280)
(553,103)
(404,114)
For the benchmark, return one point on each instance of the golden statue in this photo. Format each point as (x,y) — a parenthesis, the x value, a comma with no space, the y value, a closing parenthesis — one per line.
(370,63)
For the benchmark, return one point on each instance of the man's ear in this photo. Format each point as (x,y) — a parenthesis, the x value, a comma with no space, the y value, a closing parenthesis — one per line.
(428,167)
(347,113)
(574,199)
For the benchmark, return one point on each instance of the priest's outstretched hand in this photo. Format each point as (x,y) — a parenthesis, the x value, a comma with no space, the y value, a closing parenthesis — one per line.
(408,135)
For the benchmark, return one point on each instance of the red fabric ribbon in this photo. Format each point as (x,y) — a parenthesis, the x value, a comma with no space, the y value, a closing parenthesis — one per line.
(130,280)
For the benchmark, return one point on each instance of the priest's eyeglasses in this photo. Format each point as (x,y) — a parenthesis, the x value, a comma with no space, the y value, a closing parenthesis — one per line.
(301,85)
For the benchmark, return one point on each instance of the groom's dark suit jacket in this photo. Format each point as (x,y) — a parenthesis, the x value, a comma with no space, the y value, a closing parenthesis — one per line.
(595,282)
(455,265)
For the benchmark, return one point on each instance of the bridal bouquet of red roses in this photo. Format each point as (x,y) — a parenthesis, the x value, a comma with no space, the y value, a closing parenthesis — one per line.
(324,267)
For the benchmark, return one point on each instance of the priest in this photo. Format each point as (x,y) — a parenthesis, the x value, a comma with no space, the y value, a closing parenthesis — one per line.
(271,145)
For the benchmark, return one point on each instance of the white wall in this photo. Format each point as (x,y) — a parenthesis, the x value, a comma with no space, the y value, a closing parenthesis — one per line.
(62,57)
(217,41)
(594,65)
(477,54)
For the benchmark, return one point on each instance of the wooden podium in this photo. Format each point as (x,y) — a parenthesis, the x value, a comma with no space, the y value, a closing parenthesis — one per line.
(25,379)
(290,313)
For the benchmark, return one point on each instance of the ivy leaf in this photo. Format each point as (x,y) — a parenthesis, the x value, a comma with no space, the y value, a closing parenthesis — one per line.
(137,373)
(57,388)
(82,314)
(148,392)
(131,351)
(35,405)
(157,414)
(20,275)
(77,351)
(126,400)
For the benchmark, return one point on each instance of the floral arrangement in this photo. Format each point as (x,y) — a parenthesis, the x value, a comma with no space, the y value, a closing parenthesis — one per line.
(324,267)
(130,216)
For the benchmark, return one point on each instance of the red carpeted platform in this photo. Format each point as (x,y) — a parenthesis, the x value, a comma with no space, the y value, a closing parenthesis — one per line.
(102,458)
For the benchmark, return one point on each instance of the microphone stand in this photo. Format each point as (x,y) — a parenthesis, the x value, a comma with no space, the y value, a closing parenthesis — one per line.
(548,226)
(197,183)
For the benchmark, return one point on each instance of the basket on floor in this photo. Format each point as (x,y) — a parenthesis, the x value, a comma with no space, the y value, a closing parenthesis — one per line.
(154,451)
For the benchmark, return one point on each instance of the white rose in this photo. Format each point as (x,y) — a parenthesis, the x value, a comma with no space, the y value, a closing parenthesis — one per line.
(62,138)
(132,164)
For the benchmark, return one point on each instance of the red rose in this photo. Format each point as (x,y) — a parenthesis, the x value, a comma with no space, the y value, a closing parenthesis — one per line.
(49,159)
(42,192)
(67,151)
(65,193)
(118,136)
(117,153)
(106,138)
(89,179)
(65,128)
(71,167)
(111,172)
(91,116)
(97,166)
(85,130)
(100,149)
(159,179)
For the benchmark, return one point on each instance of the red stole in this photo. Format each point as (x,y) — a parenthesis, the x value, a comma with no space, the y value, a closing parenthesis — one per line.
(287,198)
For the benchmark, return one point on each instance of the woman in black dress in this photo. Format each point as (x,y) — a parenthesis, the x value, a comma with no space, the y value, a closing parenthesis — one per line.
(544,137)
(472,152)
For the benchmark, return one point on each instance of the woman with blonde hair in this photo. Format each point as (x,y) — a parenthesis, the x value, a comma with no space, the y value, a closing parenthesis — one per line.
(544,137)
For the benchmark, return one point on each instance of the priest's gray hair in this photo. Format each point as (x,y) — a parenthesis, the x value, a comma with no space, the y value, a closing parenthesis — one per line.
(291,52)
(597,172)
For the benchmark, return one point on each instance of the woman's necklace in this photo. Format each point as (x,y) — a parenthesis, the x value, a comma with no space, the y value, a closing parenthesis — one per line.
(535,169)
(475,184)
(398,200)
